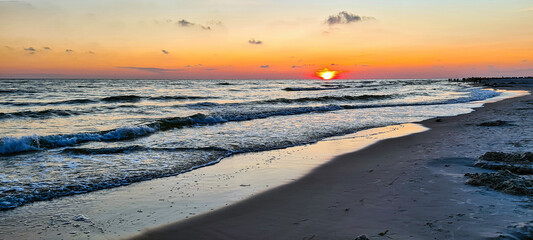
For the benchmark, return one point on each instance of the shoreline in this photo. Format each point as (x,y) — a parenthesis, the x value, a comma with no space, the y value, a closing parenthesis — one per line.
(415,189)
(123,211)
(120,212)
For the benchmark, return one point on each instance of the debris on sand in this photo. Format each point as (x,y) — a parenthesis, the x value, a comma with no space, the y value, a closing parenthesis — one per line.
(496,123)
(514,168)
(80,218)
(361,237)
(503,181)
(520,163)
(526,157)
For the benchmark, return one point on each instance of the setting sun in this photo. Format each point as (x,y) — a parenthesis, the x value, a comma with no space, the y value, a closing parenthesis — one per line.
(327,74)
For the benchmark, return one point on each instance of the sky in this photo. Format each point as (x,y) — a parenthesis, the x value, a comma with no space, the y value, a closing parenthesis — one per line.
(275,39)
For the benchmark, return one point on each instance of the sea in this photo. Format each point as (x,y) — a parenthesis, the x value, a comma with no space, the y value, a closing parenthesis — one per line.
(62,137)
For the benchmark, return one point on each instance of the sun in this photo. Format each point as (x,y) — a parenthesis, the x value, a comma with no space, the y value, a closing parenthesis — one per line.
(327,74)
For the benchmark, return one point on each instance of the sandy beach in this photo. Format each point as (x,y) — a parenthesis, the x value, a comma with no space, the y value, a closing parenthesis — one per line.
(411,187)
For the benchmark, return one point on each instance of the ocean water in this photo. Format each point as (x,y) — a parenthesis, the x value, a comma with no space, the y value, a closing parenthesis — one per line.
(64,137)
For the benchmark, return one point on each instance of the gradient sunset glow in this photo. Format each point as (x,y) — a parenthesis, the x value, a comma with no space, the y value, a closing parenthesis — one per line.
(248,39)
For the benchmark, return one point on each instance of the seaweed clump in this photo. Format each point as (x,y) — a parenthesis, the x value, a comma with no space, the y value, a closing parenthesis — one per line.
(496,123)
(514,172)
(503,181)
(520,163)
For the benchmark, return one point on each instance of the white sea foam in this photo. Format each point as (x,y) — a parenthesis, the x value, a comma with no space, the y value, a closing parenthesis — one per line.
(9,145)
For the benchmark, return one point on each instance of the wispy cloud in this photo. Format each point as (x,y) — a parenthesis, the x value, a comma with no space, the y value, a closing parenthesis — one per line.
(264,66)
(152,69)
(69,50)
(30,49)
(185,23)
(47,48)
(256,42)
(164,51)
(346,18)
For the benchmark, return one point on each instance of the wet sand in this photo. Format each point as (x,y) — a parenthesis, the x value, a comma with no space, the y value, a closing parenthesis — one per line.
(411,187)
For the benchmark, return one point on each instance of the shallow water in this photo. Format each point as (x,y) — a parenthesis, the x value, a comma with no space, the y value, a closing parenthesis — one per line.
(64,137)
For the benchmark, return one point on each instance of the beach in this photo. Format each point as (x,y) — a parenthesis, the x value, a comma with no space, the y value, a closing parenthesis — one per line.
(412,187)
(372,167)
(244,119)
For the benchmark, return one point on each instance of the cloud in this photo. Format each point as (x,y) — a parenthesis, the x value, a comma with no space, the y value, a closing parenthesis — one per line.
(69,50)
(256,42)
(164,51)
(30,49)
(264,66)
(185,23)
(346,18)
(524,61)
(47,48)
(8,47)
(152,69)
(91,52)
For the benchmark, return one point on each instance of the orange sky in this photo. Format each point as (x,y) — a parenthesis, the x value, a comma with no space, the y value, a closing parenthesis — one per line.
(248,39)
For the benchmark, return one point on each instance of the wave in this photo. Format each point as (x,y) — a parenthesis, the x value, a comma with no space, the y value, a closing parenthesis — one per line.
(329,98)
(13,145)
(10,145)
(15,196)
(293,100)
(135,98)
(15,91)
(204,104)
(74,101)
(324,87)
(225,84)
(122,98)
(135,148)
(166,98)
(476,95)
(39,114)
(111,99)
(65,102)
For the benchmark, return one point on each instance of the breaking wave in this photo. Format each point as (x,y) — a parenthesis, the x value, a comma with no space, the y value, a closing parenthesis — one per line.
(111,99)
(11,145)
